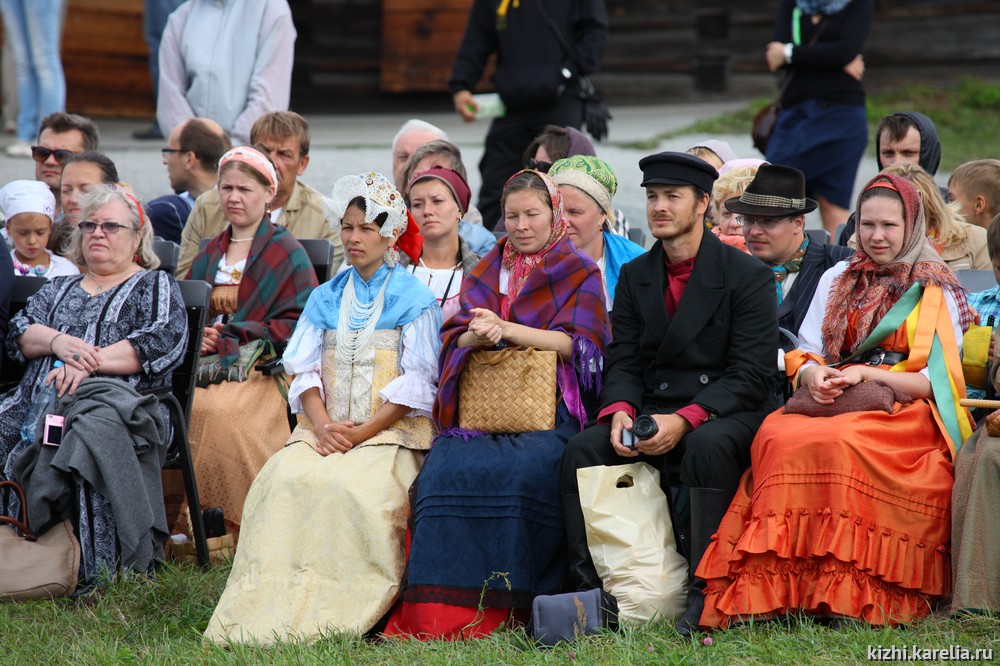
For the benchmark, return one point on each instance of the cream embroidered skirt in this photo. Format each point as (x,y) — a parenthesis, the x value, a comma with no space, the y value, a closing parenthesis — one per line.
(322,542)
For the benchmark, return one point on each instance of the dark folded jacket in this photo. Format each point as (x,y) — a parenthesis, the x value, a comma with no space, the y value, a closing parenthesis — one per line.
(115,440)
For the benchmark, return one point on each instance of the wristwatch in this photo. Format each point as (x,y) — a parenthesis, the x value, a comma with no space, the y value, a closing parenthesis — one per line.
(788,53)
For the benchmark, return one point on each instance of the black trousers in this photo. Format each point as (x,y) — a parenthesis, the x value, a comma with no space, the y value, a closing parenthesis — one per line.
(714,455)
(506,141)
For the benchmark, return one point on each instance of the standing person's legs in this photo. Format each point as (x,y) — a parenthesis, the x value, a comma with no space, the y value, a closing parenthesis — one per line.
(43,20)
(154,21)
(505,143)
(15,34)
(501,159)
(9,76)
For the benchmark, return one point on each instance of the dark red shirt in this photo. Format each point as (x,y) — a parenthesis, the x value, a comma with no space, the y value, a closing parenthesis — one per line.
(677,278)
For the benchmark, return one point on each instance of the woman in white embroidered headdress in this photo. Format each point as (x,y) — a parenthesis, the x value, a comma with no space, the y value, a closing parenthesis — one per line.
(322,541)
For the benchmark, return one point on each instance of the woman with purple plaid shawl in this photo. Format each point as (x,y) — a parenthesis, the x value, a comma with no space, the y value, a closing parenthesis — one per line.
(490,503)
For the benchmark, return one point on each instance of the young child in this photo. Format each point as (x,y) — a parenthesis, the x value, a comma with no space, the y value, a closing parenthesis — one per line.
(29,206)
(976,187)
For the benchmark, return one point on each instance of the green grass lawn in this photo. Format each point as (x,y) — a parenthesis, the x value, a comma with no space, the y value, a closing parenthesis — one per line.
(967,116)
(159,620)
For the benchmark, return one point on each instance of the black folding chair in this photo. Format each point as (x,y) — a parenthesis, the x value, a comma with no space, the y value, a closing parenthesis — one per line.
(24,288)
(178,398)
(320,253)
(168,253)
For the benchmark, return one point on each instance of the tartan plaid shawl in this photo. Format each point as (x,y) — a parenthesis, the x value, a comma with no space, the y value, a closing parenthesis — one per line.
(275,287)
(563,293)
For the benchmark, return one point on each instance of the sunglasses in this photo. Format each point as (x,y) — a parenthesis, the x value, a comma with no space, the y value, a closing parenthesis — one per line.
(41,153)
(537,165)
(109,228)
(166,151)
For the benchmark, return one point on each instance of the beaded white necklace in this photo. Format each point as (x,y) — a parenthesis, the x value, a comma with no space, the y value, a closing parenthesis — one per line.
(353,344)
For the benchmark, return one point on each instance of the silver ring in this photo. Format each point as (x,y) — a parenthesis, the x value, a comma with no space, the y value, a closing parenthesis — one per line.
(76,357)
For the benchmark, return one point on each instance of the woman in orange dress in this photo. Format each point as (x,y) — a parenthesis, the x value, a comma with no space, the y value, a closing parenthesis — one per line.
(849,516)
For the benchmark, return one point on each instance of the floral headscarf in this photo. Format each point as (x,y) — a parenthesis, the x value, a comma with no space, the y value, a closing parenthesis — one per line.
(872,290)
(519,264)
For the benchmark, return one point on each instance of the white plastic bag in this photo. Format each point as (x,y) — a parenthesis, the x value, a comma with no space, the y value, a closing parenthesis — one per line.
(631,539)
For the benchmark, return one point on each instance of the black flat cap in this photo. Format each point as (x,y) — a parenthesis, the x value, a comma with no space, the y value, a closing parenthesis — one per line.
(672,168)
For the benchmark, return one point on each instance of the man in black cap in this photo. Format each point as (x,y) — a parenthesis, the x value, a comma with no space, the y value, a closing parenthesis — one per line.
(694,348)
(772,213)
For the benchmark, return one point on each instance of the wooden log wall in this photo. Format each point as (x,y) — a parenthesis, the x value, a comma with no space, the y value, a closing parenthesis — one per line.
(105,59)
(360,54)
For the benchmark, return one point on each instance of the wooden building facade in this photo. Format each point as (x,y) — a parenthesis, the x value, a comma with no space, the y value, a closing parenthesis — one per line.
(367,54)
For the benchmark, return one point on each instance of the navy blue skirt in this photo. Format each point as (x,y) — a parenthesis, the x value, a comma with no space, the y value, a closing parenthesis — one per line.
(488,512)
(825,142)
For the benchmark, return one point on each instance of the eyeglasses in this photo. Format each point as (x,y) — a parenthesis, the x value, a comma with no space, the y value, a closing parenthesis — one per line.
(41,153)
(166,151)
(765,223)
(108,228)
(538,166)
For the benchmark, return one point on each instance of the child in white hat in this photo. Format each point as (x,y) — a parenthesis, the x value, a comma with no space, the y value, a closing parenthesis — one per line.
(28,206)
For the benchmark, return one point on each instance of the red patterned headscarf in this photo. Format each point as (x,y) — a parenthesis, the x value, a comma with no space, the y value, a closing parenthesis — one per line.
(872,290)
(520,265)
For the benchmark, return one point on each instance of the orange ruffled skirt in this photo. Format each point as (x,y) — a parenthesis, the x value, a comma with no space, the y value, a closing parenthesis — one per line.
(847,515)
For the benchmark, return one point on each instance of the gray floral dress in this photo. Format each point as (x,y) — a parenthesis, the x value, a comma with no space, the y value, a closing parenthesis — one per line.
(146,310)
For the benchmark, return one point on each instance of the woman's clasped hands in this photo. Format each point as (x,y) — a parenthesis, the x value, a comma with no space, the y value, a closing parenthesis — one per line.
(340,437)
(826,384)
(486,326)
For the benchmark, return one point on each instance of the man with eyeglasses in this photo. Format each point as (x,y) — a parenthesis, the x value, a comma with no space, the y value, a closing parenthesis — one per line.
(284,137)
(60,136)
(192,157)
(772,212)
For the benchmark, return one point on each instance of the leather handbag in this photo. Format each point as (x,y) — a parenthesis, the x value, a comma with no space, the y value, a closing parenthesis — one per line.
(764,122)
(564,617)
(508,391)
(36,567)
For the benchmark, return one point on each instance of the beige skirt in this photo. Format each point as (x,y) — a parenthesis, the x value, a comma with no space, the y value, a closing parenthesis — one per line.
(323,545)
(235,427)
(975,540)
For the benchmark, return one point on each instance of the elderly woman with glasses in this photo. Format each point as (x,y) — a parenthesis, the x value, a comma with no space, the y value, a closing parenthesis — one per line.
(119,319)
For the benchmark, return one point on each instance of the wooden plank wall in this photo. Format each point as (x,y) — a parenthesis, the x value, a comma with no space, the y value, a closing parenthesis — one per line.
(106,60)
(357,54)
(679,49)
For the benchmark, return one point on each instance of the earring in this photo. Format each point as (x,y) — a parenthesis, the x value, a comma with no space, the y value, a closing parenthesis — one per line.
(391,257)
